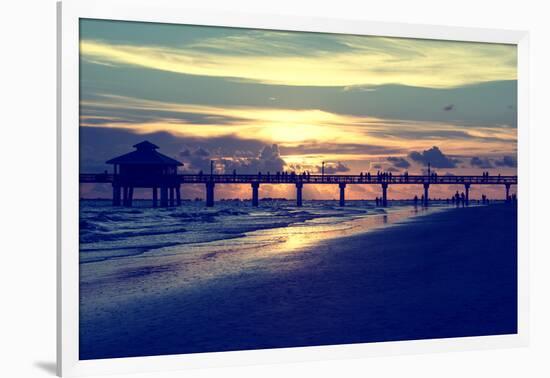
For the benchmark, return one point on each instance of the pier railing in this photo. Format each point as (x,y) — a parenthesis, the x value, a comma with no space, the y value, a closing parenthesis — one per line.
(169,185)
(311,179)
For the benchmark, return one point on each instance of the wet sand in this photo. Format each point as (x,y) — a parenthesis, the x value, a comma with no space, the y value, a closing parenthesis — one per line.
(447,274)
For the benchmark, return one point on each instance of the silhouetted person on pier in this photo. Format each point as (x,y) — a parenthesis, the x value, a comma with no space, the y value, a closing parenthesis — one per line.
(368,176)
(415,200)
(462,199)
(376,201)
(361,177)
(200,174)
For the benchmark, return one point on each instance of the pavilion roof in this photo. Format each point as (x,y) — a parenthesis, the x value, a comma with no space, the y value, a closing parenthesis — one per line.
(145,154)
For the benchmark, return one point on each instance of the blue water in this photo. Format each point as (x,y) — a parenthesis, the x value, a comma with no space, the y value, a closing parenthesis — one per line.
(108,232)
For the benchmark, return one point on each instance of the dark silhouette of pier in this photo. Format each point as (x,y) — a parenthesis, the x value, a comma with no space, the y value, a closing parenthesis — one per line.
(147,168)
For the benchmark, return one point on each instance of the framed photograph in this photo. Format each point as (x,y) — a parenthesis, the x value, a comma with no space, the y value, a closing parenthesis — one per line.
(244,188)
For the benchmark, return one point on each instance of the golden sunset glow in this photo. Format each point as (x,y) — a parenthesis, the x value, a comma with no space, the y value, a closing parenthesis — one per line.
(253,100)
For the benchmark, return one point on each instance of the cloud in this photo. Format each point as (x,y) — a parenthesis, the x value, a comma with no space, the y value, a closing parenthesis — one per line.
(399,162)
(507,161)
(349,61)
(267,160)
(333,168)
(195,160)
(434,157)
(481,162)
(449,107)
(320,132)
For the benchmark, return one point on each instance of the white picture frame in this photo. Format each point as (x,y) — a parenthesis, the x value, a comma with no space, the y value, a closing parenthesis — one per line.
(69,13)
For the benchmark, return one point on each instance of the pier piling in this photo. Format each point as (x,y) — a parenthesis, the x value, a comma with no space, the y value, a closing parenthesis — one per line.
(124,196)
(163,196)
(155,197)
(116,195)
(342,186)
(426,194)
(255,194)
(210,194)
(299,187)
(172,196)
(384,194)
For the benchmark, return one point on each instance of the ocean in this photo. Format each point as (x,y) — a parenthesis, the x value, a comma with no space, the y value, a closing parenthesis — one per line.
(130,253)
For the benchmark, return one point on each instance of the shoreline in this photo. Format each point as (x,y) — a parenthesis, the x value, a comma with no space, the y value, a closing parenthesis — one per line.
(437,275)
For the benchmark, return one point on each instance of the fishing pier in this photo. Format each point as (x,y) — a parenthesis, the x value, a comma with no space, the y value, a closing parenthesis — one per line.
(147,168)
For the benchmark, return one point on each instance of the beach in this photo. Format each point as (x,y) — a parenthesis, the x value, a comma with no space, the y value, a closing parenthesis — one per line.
(338,278)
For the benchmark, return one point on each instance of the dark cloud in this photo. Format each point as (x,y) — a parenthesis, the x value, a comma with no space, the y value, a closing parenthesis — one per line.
(393,169)
(432,134)
(96,115)
(434,157)
(333,168)
(399,162)
(377,166)
(197,159)
(481,162)
(268,160)
(507,161)
(448,108)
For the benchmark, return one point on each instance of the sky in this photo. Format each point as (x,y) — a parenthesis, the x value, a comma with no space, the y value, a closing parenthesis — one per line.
(262,100)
